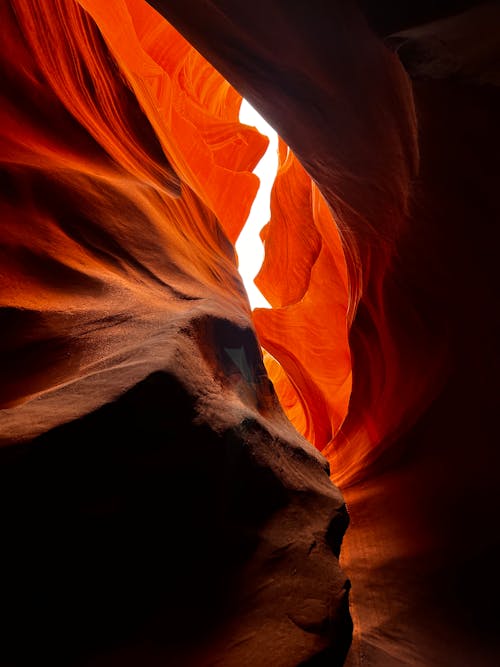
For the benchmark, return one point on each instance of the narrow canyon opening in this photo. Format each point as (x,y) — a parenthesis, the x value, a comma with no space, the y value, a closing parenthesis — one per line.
(249,245)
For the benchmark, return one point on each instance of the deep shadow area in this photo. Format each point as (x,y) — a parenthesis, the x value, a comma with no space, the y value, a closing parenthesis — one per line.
(387,16)
(127,526)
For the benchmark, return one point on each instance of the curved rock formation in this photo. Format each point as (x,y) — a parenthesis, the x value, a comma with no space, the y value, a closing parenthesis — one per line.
(123,315)
(157,506)
(409,169)
(363,164)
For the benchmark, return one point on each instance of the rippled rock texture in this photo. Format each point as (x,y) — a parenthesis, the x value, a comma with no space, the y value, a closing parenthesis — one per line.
(158,508)
(154,488)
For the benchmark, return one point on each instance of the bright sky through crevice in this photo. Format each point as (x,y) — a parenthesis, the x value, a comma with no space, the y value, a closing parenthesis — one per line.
(249,245)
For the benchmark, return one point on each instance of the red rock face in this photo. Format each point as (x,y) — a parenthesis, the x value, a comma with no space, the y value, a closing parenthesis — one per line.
(405,167)
(99,136)
(363,164)
(158,506)
(126,180)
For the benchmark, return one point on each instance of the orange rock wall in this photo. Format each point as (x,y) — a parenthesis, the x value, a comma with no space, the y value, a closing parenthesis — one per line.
(172,129)
(362,158)
(127,174)
(126,179)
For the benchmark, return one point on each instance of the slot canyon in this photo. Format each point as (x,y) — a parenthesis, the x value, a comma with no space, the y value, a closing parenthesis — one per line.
(186,481)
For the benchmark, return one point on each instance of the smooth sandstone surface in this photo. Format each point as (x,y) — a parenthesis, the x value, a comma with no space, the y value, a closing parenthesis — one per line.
(157,506)
(123,195)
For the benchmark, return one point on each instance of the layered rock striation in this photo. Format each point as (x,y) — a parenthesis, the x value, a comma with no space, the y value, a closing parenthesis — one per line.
(138,419)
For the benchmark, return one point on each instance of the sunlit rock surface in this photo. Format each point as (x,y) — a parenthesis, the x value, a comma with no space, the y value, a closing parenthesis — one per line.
(126,182)
(410,169)
(157,506)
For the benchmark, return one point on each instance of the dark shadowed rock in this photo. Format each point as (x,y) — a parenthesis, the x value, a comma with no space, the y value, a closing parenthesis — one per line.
(138,534)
